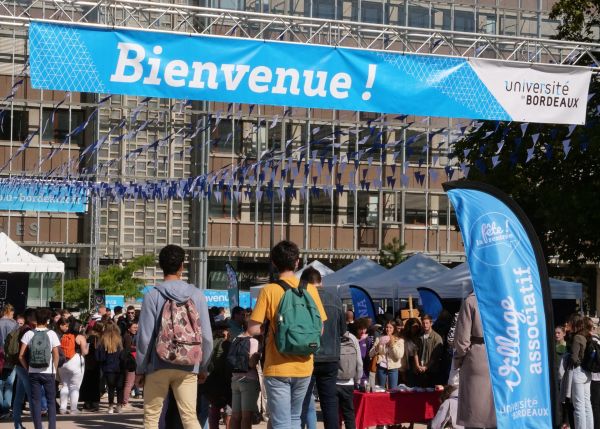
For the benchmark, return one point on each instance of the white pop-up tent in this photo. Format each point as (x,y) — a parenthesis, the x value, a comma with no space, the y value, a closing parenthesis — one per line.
(393,283)
(317,265)
(358,270)
(456,284)
(15,259)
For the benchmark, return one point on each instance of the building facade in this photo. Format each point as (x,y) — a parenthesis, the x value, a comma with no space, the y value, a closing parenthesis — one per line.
(330,226)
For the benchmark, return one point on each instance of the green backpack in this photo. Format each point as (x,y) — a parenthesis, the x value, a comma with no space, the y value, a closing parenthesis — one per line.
(40,350)
(12,347)
(298,324)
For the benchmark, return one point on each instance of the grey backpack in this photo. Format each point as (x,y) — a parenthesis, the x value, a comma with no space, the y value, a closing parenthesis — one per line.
(40,350)
(347,364)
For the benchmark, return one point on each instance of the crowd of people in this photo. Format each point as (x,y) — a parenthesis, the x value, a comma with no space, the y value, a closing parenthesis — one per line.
(198,368)
(56,364)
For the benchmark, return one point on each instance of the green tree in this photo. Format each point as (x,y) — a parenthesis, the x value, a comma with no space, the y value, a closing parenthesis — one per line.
(577,19)
(552,171)
(114,279)
(392,254)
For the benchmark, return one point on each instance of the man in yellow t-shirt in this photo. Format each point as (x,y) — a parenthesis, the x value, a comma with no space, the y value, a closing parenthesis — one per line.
(286,376)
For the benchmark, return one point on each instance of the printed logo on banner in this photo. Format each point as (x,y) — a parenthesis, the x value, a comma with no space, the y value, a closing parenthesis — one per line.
(495,242)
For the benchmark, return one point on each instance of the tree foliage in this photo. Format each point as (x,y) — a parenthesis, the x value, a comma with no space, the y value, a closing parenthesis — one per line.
(552,171)
(558,192)
(577,19)
(392,254)
(114,279)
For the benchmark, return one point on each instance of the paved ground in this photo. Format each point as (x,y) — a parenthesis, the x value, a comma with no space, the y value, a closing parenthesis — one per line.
(103,420)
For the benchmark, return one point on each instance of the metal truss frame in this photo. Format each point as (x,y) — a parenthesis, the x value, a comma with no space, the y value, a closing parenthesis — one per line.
(159,16)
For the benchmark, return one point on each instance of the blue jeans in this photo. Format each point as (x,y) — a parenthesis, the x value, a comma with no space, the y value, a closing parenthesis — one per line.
(285,396)
(47,381)
(311,413)
(324,378)
(23,389)
(389,375)
(6,389)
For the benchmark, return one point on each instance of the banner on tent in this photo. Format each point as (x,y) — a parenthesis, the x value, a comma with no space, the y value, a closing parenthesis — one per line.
(362,303)
(513,293)
(227,69)
(43,197)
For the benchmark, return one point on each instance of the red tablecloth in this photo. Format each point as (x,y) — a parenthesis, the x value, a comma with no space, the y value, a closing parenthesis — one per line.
(374,409)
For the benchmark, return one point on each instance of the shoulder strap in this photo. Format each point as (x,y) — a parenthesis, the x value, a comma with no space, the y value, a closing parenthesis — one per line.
(283,284)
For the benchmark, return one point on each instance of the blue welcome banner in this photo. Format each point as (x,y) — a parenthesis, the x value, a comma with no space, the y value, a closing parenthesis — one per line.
(511,284)
(43,197)
(362,303)
(227,69)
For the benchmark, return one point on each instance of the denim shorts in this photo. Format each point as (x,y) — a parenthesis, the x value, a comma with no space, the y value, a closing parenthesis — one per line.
(244,394)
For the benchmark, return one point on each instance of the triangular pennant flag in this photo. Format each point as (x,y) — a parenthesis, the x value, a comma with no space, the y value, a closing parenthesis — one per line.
(571,129)
(404,179)
(524,128)
(500,146)
(535,137)
(530,154)
(548,151)
(566,146)
(495,161)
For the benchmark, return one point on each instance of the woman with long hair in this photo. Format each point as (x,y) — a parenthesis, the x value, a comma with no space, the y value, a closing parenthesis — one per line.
(90,386)
(75,347)
(412,331)
(109,355)
(580,389)
(389,352)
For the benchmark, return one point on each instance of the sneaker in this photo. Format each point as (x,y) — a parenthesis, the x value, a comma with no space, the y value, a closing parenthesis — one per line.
(118,409)
(126,407)
(63,411)
(138,397)
(74,412)
(111,409)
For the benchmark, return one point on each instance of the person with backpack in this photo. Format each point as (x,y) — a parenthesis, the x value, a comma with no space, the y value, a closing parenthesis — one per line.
(12,348)
(242,358)
(41,344)
(75,348)
(174,342)
(7,372)
(294,315)
(349,375)
(326,359)
(217,386)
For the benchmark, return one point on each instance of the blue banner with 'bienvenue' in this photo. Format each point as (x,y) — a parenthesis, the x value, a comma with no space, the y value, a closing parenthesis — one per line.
(44,197)
(511,285)
(228,69)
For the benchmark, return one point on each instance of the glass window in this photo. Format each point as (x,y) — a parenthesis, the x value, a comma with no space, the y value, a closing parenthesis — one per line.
(320,208)
(20,125)
(225,137)
(464,21)
(415,146)
(418,16)
(392,207)
(264,208)
(326,9)
(367,205)
(487,24)
(415,213)
(222,208)
(438,210)
(370,11)
(61,125)
(229,4)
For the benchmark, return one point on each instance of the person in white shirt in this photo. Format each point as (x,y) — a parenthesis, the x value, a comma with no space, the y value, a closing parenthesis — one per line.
(42,365)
